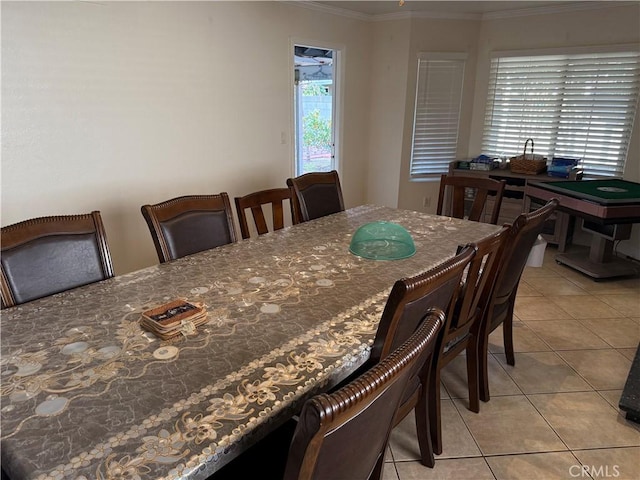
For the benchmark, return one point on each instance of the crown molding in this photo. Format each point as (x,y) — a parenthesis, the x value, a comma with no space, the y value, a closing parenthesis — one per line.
(311,5)
(343,12)
(425,14)
(391,16)
(553,9)
(522,12)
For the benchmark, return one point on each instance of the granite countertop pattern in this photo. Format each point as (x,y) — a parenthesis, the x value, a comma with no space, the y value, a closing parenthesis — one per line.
(86,393)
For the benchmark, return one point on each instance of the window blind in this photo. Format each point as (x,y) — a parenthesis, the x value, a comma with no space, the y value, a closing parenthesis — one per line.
(578,106)
(436,115)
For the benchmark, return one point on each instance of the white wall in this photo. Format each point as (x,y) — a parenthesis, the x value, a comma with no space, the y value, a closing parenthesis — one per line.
(112,105)
(109,106)
(391,44)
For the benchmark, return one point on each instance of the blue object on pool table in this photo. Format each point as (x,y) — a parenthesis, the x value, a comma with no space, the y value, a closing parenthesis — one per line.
(561,167)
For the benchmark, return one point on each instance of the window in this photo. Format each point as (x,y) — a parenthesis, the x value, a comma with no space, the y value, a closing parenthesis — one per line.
(437,113)
(576,105)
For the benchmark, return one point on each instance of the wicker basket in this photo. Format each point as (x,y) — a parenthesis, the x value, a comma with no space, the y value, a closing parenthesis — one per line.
(528,163)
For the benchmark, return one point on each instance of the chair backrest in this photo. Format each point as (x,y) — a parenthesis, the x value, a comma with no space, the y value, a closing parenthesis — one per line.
(315,195)
(345,434)
(411,298)
(275,196)
(469,307)
(506,272)
(483,187)
(47,255)
(190,224)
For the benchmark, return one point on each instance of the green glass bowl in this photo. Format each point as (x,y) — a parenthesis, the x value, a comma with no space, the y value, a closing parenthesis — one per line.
(382,241)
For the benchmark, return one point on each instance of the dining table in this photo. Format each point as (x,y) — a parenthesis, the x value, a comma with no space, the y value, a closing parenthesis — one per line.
(88,393)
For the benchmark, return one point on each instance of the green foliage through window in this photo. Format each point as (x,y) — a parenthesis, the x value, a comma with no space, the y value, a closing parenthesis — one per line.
(314,89)
(316,131)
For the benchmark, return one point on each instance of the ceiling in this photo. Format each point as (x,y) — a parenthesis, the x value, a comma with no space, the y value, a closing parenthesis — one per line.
(384,7)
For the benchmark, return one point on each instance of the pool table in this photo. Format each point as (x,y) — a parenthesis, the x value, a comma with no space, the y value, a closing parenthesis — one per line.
(608,208)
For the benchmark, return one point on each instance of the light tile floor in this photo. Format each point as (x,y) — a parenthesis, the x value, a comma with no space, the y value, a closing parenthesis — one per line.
(554,415)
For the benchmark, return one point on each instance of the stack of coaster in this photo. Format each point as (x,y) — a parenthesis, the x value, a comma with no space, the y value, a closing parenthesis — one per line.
(174,318)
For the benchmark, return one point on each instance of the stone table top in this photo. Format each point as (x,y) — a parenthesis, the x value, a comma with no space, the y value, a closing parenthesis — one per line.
(87,393)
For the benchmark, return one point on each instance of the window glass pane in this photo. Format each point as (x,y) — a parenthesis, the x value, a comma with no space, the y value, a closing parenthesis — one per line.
(579,106)
(437,114)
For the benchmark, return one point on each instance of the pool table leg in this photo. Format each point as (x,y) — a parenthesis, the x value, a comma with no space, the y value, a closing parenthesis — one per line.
(601,262)
(565,230)
(601,249)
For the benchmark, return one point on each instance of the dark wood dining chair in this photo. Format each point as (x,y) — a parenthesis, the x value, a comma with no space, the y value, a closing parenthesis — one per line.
(315,195)
(48,255)
(499,294)
(343,434)
(408,302)
(190,224)
(460,332)
(482,188)
(276,197)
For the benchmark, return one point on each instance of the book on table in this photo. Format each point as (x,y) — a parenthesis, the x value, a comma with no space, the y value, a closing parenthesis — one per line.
(173,318)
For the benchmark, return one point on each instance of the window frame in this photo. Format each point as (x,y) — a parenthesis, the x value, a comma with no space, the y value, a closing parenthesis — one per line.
(439,166)
(567,119)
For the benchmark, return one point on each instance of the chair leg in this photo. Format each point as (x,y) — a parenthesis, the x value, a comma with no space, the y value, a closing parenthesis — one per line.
(423,428)
(483,368)
(507,334)
(376,474)
(434,410)
(473,376)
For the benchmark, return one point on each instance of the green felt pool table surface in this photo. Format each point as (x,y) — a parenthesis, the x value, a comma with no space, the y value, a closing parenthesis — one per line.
(605,192)
(608,208)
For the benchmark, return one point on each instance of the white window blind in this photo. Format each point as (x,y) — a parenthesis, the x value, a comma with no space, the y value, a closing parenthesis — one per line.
(437,114)
(578,106)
